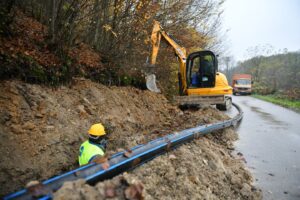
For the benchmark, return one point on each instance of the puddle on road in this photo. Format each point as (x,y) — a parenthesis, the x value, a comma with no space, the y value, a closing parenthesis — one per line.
(245,103)
(268,117)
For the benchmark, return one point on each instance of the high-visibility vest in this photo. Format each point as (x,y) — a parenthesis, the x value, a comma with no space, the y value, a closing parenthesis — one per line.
(88,151)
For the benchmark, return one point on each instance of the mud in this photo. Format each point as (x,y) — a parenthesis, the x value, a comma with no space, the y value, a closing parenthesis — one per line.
(42,128)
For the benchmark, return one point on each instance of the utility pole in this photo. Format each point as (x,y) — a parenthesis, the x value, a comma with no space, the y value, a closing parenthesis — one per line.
(227,61)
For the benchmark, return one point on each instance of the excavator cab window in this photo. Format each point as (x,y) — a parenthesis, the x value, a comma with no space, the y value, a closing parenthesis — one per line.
(201,69)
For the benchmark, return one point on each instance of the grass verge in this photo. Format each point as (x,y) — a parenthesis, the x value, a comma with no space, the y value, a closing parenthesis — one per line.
(292,104)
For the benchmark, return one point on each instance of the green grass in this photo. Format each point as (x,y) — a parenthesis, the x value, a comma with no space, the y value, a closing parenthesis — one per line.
(293,104)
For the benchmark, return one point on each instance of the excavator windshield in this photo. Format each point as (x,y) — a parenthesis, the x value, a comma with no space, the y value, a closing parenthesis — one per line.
(201,69)
(243,82)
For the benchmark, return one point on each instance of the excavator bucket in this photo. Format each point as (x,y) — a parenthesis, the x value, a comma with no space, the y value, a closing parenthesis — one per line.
(151,83)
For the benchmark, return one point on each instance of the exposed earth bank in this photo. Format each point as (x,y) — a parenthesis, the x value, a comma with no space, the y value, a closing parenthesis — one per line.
(41,129)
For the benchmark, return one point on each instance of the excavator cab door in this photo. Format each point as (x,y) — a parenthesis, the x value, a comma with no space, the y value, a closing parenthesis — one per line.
(201,69)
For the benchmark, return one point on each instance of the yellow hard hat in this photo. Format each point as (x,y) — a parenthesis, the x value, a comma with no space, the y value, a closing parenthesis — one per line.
(97,130)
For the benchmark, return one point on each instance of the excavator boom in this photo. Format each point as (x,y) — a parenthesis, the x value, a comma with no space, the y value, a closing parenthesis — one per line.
(157,34)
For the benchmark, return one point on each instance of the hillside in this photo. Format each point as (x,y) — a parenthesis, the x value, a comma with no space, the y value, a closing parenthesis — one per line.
(274,74)
(51,41)
(26,55)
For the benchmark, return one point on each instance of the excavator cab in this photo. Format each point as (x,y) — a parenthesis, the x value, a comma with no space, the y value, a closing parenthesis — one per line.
(201,69)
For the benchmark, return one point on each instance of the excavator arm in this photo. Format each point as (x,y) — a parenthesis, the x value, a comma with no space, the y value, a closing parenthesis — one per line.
(157,34)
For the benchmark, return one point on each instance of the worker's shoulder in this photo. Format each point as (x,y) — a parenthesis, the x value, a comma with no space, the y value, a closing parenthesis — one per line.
(91,146)
(85,143)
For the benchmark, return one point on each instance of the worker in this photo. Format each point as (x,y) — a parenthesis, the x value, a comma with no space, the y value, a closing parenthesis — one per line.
(195,79)
(95,146)
(207,71)
(206,65)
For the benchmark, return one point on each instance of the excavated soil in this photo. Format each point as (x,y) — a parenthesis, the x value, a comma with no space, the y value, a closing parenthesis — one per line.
(199,170)
(42,128)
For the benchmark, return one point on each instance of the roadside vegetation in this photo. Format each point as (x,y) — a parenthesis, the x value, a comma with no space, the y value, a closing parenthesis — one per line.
(108,41)
(279,100)
(275,78)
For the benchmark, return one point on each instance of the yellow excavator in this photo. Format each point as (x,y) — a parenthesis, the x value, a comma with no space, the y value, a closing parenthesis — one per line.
(200,83)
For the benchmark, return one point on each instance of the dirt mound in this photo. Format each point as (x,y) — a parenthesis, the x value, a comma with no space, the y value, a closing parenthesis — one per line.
(201,169)
(41,130)
(121,187)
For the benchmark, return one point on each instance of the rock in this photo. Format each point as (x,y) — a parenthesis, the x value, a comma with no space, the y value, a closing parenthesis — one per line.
(4,116)
(180,113)
(120,149)
(87,101)
(43,111)
(39,115)
(236,180)
(212,165)
(172,157)
(29,126)
(50,127)
(216,165)
(81,110)
(17,129)
(110,192)
(70,190)
(194,179)
(43,95)
(134,192)
(231,148)
(239,154)
(32,183)
(88,110)
(229,174)
(246,189)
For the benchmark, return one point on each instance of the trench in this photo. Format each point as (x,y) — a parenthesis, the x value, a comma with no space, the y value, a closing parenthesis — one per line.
(121,161)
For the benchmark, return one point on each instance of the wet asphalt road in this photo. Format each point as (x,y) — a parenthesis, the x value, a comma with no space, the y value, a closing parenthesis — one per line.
(269,139)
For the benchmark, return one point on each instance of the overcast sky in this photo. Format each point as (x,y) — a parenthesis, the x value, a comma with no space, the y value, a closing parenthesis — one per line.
(259,22)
